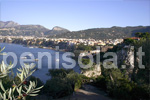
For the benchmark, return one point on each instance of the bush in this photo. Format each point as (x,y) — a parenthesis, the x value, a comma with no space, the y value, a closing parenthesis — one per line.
(120,89)
(77,79)
(7,82)
(141,92)
(125,90)
(63,82)
(101,82)
(57,87)
(61,73)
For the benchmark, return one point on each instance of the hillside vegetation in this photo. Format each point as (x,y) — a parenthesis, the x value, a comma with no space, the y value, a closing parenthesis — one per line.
(105,33)
(13,29)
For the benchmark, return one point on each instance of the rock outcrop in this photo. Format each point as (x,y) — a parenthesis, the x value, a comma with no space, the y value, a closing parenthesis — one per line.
(94,71)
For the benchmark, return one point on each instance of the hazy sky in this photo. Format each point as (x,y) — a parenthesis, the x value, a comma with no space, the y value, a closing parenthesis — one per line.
(77,14)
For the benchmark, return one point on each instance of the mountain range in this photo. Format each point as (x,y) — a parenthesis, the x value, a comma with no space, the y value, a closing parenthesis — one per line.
(104,33)
(12,28)
(15,29)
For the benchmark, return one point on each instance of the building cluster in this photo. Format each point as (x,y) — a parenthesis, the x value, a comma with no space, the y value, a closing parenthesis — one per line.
(90,42)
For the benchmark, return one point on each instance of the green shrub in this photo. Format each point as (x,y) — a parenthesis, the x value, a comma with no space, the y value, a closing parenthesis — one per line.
(76,79)
(120,89)
(57,87)
(63,82)
(61,73)
(140,92)
(101,82)
(7,82)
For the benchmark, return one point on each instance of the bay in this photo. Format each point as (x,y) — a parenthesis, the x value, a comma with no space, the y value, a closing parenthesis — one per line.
(40,73)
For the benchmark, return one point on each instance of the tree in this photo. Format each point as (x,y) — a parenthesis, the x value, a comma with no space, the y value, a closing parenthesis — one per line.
(142,76)
(143,35)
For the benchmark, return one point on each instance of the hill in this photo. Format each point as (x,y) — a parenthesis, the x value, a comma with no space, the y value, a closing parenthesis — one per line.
(13,29)
(104,33)
(57,30)
(8,24)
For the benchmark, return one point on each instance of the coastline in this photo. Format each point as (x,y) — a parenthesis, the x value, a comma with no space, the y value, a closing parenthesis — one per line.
(33,46)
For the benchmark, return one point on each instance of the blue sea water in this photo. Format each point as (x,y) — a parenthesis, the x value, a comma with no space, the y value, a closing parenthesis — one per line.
(40,73)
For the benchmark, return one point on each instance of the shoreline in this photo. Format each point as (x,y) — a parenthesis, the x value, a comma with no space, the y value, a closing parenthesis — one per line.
(33,46)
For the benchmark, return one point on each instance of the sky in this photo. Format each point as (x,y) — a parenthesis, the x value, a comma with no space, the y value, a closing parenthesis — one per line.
(76,14)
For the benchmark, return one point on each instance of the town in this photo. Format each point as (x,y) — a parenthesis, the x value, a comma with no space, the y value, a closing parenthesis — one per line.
(63,43)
